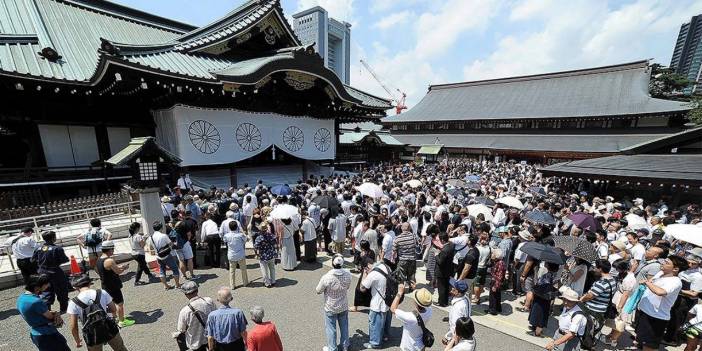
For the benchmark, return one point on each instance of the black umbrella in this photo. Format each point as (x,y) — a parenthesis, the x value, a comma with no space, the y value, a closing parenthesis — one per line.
(543,252)
(473,186)
(484,200)
(538,191)
(540,217)
(325,201)
(455,192)
(576,247)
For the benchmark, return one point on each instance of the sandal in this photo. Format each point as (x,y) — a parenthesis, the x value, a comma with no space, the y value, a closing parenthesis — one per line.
(522,309)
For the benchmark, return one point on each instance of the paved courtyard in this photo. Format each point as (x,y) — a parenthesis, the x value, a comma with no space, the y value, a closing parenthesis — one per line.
(292,305)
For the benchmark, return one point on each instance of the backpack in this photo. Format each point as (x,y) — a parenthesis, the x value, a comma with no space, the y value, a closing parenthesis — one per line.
(427,335)
(93,239)
(98,327)
(390,287)
(587,340)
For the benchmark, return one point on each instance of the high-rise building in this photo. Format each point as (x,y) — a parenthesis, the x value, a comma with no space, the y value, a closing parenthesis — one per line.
(687,55)
(331,38)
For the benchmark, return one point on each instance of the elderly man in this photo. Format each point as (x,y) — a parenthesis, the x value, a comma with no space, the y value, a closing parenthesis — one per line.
(263,336)
(236,253)
(405,246)
(226,326)
(192,319)
(335,286)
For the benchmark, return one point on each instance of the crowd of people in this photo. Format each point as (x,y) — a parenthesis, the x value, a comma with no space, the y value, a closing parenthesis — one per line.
(475,230)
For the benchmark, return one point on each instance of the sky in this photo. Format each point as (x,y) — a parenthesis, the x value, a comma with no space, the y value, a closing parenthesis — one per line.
(412,44)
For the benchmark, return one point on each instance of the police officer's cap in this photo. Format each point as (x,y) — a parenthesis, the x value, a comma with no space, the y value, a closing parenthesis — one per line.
(27,230)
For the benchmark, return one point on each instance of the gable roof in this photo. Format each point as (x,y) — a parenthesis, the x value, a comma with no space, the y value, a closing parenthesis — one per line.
(135,146)
(604,91)
(687,136)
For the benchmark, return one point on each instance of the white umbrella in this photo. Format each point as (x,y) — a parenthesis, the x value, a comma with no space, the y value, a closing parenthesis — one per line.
(414,183)
(284,211)
(511,201)
(371,190)
(474,210)
(635,222)
(689,233)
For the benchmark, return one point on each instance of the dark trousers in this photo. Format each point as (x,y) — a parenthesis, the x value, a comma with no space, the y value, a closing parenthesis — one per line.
(442,285)
(58,289)
(296,240)
(237,345)
(51,342)
(495,301)
(214,249)
(678,314)
(310,251)
(142,267)
(26,267)
(516,286)
(327,240)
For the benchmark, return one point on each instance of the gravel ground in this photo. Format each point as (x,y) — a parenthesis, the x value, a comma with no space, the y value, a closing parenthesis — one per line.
(293,306)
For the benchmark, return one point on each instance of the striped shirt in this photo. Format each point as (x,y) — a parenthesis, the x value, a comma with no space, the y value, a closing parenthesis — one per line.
(404,246)
(603,290)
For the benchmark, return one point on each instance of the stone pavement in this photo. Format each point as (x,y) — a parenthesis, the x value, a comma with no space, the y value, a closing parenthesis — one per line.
(293,306)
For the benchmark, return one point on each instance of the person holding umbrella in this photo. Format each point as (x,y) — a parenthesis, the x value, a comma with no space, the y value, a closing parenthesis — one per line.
(544,293)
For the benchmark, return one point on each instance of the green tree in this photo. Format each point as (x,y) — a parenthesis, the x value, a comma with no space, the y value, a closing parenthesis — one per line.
(695,115)
(664,82)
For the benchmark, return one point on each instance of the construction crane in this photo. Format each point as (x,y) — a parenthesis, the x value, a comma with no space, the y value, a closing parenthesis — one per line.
(399,103)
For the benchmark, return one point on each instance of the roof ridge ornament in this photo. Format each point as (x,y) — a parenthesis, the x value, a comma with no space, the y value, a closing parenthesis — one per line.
(108,47)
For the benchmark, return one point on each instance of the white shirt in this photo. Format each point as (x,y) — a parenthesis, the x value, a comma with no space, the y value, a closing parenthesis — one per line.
(167,207)
(568,323)
(224,227)
(158,241)
(460,242)
(637,252)
(185,183)
(135,242)
(602,249)
(376,283)
(519,255)
(697,312)
(659,306)
(499,218)
(694,277)
(464,345)
(209,227)
(87,297)
(337,228)
(628,285)
(248,208)
(24,246)
(411,332)
(460,307)
(309,233)
(388,239)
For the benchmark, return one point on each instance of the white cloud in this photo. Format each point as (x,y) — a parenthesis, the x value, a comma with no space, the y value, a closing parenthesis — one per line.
(581,34)
(437,32)
(393,20)
(341,10)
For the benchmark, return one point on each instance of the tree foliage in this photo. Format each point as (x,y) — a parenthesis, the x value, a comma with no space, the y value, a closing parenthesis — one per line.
(695,115)
(664,82)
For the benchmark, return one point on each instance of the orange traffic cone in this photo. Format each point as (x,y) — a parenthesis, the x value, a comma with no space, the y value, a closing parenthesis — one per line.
(75,269)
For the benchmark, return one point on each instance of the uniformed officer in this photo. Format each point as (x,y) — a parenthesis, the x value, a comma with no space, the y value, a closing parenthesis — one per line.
(49,259)
(23,246)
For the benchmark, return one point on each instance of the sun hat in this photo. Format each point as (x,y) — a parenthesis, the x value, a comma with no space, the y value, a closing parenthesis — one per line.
(569,294)
(165,199)
(619,245)
(524,234)
(338,261)
(460,285)
(189,287)
(423,297)
(697,251)
(108,244)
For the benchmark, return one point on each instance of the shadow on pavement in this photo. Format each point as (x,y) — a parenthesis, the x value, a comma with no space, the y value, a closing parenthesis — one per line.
(202,278)
(8,313)
(147,317)
(283,282)
(311,266)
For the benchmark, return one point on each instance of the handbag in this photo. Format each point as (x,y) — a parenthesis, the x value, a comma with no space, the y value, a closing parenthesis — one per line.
(633,301)
(427,335)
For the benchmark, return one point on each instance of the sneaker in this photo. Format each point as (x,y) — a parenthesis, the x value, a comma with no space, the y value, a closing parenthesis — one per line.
(368,346)
(325,348)
(126,323)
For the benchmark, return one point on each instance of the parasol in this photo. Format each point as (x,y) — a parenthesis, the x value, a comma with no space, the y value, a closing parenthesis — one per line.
(484,200)
(511,201)
(414,183)
(473,178)
(281,190)
(371,190)
(456,183)
(455,192)
(474,210)
(473,186)
(585,221)
(543,252)
(688,233)
(636,222)
(284,211)
(576,247)
(326,201)
(540,217)
(537,190)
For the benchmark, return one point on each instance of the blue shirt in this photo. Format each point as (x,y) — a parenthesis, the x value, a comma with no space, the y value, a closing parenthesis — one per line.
(236,246)
(194,210)
(226,324)
(32,309)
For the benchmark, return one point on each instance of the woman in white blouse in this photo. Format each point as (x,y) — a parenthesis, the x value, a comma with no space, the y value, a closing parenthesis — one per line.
(463,337)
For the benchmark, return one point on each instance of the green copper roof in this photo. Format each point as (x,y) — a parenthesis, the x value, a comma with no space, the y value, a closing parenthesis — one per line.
(429,149)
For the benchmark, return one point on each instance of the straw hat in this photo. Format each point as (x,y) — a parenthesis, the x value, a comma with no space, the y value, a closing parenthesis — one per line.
(569,294)
(423,297)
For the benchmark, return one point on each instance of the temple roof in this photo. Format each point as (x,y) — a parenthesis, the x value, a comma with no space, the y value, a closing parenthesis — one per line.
(90,36)
(604,91)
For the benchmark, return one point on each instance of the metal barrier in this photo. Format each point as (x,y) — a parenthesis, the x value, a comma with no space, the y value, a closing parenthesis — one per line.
(65,224)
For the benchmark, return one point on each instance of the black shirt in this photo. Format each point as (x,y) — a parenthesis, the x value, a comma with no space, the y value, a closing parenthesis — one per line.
(472,258)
